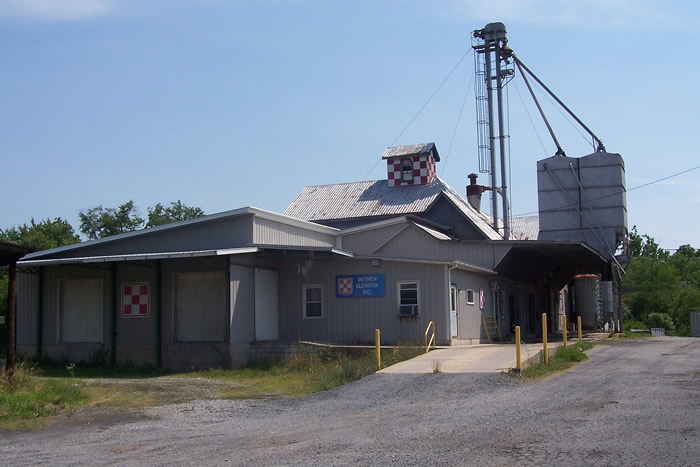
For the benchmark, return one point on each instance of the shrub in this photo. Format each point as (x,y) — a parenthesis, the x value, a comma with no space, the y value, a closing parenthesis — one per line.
(661,320)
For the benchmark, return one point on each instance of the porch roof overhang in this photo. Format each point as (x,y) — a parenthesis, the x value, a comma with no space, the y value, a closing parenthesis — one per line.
(555,262)
(10,253)
(168,255)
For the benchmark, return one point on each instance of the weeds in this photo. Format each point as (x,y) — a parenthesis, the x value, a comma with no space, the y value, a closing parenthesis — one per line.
(562,360)
(28,396)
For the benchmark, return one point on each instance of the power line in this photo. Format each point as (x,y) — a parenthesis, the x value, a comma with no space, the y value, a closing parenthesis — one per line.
(614,194)
(422,107)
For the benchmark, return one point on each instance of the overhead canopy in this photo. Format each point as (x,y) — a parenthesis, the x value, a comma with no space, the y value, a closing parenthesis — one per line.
(10,253)
(554,262)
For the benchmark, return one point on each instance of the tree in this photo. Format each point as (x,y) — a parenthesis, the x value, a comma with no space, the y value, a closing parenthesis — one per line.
(99,222)
(42,236)
(159,214)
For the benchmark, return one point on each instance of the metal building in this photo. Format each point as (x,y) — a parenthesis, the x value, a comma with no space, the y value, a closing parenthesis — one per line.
(343,260)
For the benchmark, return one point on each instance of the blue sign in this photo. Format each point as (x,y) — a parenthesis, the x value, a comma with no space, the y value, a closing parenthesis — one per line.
(366,285)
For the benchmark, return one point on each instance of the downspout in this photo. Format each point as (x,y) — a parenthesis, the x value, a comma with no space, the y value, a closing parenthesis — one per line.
(38,313)
(113,319)
(157,313)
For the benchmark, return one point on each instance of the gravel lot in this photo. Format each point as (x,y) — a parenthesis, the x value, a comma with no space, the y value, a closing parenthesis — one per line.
(632,403)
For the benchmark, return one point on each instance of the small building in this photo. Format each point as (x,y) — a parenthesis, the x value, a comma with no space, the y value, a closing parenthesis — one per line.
(341,261)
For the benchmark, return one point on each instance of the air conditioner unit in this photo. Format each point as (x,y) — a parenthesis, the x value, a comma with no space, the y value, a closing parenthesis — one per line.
(408,310)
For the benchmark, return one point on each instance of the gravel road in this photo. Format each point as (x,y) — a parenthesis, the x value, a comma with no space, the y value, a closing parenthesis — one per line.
(632,403)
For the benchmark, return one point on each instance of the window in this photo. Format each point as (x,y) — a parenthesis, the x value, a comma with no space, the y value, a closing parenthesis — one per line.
(470,297)
(408,298)
(407,170)
(313,301)
(453,299)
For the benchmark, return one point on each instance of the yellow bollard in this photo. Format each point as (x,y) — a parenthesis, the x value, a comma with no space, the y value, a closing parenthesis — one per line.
(378,348)
(580,334)
(544,338)
(518,365)
(564,335)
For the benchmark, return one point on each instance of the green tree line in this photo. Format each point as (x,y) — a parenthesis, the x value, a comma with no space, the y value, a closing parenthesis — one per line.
(95,222)
(660,289)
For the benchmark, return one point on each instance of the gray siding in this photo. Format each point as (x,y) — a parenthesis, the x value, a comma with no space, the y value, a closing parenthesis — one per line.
(415,243)
(268,232)
(217,234)
(445,214)
(353,320)
(469,317)
(27,302)
(242,304)
(368,241)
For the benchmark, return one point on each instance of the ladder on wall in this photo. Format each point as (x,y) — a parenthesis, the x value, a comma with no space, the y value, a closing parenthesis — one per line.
(491,328)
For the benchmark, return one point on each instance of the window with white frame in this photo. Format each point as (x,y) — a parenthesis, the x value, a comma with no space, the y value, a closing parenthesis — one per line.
(407,297)
(313,301)
(470,297)
(453,299)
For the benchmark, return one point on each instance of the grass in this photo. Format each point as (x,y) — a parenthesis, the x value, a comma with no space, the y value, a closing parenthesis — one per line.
(36,393)
(562,360)
(28,398)
(304,373)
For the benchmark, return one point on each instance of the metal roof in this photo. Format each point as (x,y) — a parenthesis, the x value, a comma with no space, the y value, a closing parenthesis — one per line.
(411,150)
(524,228)
(10,253)
(376,198)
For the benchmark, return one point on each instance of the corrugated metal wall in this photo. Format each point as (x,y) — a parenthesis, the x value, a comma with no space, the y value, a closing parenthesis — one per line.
(267,232)
(367,241)
(695,323)
(469,325)
(221,233)
(242,304)
(26,306)
(353,320)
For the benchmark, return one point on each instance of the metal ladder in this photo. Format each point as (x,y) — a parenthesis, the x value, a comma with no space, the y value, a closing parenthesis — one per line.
(491,325)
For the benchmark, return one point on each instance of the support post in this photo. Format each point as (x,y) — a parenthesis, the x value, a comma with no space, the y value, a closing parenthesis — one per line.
(564,333)
(580,334)
(113,319)
(518,365)
(11,319)
(39,306)
(544,338)
(378,348)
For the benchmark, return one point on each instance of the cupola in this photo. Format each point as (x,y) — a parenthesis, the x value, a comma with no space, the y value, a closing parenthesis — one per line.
(411,165)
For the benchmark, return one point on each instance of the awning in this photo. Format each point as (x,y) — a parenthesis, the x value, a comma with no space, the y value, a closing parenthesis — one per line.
(554,262)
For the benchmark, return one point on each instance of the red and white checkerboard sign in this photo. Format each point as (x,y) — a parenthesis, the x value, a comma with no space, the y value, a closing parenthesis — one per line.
(345,286)
(135,300)
(423,171)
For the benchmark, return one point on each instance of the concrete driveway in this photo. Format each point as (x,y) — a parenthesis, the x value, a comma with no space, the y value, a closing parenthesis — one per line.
(476,358)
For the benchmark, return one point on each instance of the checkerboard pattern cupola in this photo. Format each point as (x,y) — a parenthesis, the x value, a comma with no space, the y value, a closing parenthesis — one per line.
(411,165)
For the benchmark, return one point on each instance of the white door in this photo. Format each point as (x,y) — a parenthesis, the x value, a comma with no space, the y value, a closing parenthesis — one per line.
(266,313)
(453,311)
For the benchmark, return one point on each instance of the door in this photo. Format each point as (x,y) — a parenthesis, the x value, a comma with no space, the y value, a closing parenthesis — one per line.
(453,311)
(266,312)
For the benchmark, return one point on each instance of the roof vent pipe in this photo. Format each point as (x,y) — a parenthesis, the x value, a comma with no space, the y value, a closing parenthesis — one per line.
(474,192)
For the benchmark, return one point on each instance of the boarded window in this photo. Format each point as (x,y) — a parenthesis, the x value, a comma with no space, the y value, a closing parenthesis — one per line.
(80,307)
(200,307)
(313,301)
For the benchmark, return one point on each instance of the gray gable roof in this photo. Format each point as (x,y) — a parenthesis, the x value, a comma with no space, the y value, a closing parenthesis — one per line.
(375,198)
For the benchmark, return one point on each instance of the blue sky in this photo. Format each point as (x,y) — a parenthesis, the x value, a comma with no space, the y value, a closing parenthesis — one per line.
(224,104)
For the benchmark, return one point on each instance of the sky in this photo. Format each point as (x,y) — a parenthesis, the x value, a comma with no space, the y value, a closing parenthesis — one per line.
(224,104)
